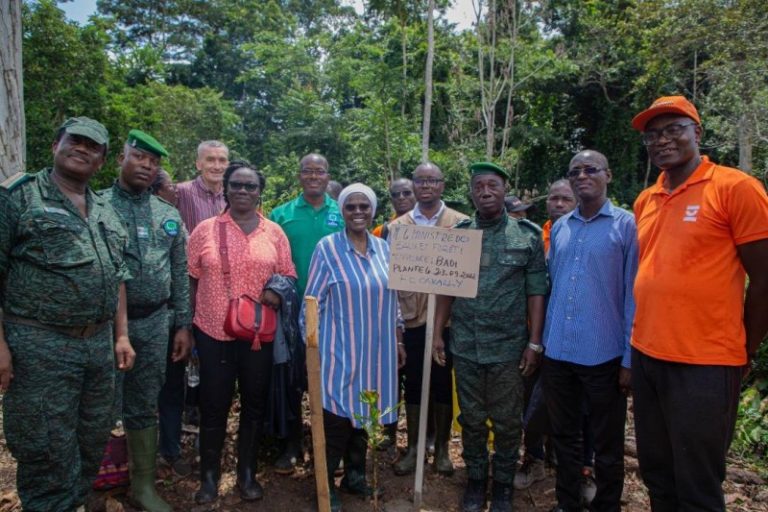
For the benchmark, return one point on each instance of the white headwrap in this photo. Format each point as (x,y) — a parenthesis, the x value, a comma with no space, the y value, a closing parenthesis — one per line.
(358,188)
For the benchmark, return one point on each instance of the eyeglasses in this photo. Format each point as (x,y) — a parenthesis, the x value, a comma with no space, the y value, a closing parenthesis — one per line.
(670,132)
(240,185)
(314,172)
(576,172)
(361,207)
(430,182)
(402,193)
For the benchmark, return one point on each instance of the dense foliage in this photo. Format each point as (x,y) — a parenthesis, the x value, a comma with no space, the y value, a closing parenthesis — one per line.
(532,83)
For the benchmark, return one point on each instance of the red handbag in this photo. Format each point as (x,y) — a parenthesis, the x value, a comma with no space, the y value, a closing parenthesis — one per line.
(247,319)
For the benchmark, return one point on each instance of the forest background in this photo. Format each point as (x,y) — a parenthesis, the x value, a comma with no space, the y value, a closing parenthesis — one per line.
(530,83)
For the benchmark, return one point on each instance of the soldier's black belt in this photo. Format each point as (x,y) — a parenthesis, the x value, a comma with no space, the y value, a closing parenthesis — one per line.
(143,311)
(75,331)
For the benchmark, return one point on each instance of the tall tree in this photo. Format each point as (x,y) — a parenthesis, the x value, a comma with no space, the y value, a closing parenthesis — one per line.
(427,116)
(12,125)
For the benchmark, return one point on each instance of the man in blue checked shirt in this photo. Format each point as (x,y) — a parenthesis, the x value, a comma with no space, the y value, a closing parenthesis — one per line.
(592,265)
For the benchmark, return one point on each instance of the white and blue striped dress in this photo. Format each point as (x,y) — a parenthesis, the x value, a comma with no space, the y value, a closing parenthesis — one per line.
(358,322)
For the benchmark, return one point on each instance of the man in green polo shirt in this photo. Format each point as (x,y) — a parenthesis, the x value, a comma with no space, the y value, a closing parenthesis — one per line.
(305,220)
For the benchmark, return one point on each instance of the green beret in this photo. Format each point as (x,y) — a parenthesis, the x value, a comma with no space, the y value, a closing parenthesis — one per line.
(144,141)
(488,168)
(86,127)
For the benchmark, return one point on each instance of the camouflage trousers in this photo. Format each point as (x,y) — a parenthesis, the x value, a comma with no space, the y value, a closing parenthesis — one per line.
(56,414)
(495,392)
(138,390)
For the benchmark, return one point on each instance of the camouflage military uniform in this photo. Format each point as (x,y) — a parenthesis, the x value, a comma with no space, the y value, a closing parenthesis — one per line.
(64,271)
(157,260)
(488,336)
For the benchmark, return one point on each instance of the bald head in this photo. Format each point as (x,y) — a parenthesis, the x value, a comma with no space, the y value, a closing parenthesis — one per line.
(313,158)
(590,155)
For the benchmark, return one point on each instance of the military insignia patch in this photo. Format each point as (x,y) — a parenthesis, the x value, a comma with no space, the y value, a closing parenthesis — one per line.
(171,227)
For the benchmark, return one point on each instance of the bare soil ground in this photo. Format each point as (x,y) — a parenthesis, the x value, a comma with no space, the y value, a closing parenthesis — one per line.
(744,489)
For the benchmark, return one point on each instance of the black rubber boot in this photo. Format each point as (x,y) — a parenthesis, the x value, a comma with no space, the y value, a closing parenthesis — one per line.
(247,446)
(474,496)
(501,497)
(354,481)
(443,420)
(407,463)
(211,444)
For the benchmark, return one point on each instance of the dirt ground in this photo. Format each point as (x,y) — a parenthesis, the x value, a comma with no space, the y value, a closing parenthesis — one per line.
(296,493)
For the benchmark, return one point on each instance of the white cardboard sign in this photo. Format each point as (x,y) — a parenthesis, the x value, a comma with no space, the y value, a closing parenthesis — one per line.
(434,260)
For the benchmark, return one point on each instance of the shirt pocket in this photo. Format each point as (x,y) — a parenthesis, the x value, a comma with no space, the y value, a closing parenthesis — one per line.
(513,257)
(62,243)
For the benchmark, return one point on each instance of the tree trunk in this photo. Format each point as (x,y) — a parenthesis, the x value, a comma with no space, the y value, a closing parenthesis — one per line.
(428,83)
(745,145)
(12,126)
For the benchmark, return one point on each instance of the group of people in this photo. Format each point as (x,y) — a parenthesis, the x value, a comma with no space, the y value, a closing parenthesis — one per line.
(567,322)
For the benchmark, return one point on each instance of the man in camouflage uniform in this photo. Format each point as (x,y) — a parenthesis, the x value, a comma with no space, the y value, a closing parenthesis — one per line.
(157,259)
(495,337)
(62,273)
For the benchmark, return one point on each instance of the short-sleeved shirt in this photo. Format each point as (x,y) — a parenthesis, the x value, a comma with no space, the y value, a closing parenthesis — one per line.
(358,321)
(56,266)
(305,226)
(156,254)
(493,327)
(197,202)
(689,289)
(253,259)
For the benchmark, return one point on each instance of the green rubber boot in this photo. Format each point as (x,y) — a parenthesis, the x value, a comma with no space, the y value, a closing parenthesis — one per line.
(443,420)
(407,464)
(142,453)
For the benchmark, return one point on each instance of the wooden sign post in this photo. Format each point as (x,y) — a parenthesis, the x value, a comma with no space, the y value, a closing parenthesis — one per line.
(316,406)
(434,261)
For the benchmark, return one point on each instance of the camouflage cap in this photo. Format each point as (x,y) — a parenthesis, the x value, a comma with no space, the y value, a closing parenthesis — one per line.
(86,127)
(144,141)
(488,168)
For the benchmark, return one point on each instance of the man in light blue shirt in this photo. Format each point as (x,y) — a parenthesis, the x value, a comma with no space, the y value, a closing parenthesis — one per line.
(592,265)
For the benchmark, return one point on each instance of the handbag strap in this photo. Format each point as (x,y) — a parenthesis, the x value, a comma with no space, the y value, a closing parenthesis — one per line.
(224,252)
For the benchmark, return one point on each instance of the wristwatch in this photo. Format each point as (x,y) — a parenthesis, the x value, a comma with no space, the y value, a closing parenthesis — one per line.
(536,347)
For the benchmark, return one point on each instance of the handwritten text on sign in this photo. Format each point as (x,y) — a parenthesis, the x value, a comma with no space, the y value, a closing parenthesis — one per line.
(434,260)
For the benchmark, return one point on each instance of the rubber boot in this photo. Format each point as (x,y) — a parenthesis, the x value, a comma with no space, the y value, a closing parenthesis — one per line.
(501,497)
(407,463)
(332,463)
(474,496)
(292,452)
(247,446)
(354,481)
(211,444)
(443,420)
(142,454)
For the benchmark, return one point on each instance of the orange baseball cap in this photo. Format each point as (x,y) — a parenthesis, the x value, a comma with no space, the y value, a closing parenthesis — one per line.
(666,105)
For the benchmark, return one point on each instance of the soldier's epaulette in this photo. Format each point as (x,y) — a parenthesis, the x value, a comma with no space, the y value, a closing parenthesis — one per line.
(14,181)
(164,201)
(463,223)
(531,225)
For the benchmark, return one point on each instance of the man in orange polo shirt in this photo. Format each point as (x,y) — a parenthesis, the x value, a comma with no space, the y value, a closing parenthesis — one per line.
(403,201)
(560,200)
(701,228)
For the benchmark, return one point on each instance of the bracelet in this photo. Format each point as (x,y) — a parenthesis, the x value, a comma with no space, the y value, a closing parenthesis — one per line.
(536,347)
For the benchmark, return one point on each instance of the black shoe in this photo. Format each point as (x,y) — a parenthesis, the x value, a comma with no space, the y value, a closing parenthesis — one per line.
(211,444)
(501,497)
(474,496)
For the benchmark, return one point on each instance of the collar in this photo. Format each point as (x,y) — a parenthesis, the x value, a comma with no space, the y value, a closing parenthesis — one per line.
(606,210)
(127,194)
(416,212)
(703,172)
(351,247)
(483,223)
(49,190)
(200,184)
(302,203)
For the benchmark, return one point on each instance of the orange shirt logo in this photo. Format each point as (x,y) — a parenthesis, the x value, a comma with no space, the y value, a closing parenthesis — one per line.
(690,213)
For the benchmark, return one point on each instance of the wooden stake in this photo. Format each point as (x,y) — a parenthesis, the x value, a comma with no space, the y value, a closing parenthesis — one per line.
(316,406)
(425,379)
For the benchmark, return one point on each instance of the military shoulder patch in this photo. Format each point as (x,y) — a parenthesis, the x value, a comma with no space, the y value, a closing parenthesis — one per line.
(14,181)
(171,227)
(530,225)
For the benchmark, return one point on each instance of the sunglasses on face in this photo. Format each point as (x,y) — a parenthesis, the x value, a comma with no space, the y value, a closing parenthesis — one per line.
(403,193)
(670,132)
(590,171)
(357,207)
(240,185)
